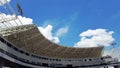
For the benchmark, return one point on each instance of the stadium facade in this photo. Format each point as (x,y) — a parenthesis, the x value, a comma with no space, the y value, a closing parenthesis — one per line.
(24,46)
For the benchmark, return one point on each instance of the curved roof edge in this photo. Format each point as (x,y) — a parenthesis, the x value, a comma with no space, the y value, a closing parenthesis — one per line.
(29,38)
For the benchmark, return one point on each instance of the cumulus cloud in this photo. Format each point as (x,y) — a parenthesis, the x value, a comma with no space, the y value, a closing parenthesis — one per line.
(62,31)
(2,2)
(12,20)
(92,38)
(25,20)
(15,21)
(47,32)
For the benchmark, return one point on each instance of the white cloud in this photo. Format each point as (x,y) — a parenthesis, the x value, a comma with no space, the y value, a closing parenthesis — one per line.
(92,38)
(62,31)
(89,38)
(2,2)
(47,32)
(13,21)
(25,20)
(56,40)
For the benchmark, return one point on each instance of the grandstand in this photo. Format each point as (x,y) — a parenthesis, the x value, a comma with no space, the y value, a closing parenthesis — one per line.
(24,46)
(30,39)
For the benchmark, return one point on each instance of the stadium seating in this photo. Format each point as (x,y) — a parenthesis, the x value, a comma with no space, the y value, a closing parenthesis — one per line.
(30,39)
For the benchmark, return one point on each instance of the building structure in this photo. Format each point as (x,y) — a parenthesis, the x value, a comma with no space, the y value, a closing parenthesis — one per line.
(23,46)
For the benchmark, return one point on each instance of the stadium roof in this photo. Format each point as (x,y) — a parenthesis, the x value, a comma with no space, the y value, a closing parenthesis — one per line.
(29,38)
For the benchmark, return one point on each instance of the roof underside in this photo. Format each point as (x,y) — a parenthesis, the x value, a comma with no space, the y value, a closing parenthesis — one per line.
(30,39)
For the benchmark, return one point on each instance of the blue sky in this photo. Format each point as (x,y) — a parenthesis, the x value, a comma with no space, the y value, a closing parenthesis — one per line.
(77,15)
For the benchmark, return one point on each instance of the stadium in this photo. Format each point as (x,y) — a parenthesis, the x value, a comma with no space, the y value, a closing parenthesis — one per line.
(24,46)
